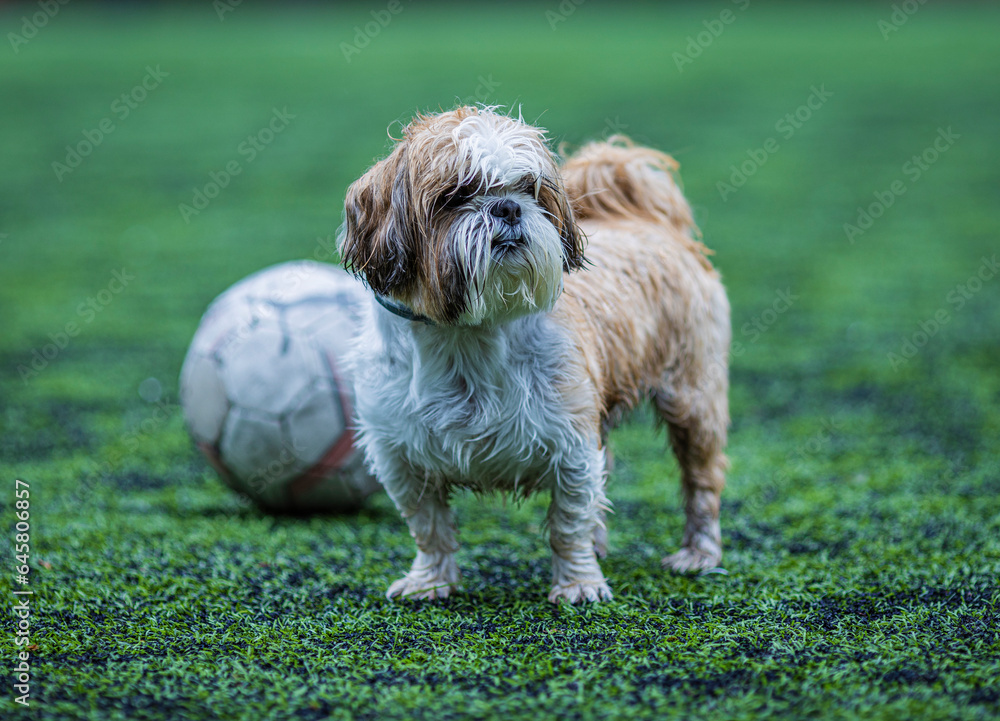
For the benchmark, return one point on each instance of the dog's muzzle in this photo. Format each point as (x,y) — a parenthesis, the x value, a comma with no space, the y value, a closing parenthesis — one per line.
(507,235)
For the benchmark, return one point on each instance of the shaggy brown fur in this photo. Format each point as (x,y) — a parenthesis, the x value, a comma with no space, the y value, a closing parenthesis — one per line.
(651,318)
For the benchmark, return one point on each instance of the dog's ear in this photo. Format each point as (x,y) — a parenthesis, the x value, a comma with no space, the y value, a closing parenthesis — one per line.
(377,242)
(553,198)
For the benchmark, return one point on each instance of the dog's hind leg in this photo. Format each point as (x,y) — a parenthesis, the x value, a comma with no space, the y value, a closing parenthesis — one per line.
(696,417)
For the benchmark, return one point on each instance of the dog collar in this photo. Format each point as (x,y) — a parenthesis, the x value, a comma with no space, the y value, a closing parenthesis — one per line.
(401,310)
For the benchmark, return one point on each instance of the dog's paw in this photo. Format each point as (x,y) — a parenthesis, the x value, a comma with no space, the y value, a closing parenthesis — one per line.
(432,576)
(579,592)
(691,560)
(421,588)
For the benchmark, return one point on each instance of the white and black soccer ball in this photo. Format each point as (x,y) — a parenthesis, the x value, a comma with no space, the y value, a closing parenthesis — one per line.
(265,393)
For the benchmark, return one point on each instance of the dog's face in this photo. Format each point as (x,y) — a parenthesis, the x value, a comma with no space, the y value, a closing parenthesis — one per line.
(466,221)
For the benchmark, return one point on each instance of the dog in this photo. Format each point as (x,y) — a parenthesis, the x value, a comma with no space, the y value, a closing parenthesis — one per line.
(497,356)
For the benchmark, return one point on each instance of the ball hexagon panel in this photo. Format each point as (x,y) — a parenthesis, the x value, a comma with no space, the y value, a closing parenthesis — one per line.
(256,448)
(268,369)
(313,419)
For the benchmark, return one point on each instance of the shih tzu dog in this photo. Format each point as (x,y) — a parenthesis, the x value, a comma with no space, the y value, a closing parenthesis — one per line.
(488,364)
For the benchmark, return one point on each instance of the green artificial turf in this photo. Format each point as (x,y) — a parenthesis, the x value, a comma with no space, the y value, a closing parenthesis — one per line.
(861,521)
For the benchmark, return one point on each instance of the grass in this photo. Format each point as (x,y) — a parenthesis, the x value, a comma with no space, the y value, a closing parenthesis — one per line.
(862,517)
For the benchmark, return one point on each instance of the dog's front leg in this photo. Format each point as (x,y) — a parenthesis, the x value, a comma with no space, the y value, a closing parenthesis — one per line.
(434,573)
(575,518)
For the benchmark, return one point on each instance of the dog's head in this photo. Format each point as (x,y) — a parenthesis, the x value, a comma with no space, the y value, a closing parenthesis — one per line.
(466,221)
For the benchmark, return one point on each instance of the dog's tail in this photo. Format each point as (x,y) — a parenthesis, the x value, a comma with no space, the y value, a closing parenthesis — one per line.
(618,179)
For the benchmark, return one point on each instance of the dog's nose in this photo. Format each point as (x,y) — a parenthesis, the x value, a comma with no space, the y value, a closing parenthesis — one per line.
(507,209)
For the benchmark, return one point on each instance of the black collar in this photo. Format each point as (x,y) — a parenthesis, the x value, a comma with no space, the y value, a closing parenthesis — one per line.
(401,310)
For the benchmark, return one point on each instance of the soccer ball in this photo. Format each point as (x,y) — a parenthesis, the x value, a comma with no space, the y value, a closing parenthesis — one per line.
(265,393)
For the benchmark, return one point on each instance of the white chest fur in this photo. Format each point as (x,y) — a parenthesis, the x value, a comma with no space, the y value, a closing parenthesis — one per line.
(471,407)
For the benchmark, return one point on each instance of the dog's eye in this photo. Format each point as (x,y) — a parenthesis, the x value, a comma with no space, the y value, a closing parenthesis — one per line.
(458,196)
(529,185)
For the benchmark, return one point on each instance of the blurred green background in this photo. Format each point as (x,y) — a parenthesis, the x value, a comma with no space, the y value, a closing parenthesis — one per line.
(861,521)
